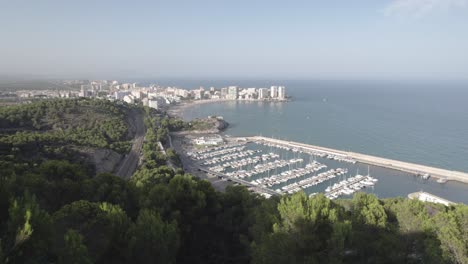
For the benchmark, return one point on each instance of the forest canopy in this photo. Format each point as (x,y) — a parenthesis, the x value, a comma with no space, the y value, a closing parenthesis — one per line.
(58,211)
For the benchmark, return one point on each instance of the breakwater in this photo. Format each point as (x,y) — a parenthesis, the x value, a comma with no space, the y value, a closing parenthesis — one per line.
(372,160)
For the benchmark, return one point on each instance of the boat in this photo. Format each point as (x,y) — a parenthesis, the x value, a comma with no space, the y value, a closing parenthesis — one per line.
(442,180)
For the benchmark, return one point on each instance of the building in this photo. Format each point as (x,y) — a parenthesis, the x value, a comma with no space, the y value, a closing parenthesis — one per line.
(224,92)
(86,91)
(157,102)
(198,94)
(127,86)
(137,94)
(281,92)
(207,95)
(153,103)
(274,91)
(209,140)
(262,93)
(181,92)
(152,95)
(233,93)
(129,99)
(119,95)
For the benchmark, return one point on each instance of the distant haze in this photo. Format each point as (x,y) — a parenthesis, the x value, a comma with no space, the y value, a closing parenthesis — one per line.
(399,39)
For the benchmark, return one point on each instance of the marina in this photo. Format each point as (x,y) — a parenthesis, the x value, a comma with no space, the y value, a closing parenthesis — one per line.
(275,167)
(417,169)
(350,186)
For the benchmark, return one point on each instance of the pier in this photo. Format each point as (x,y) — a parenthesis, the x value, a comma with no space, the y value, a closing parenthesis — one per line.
(240,181)
(372,160)
(427,197)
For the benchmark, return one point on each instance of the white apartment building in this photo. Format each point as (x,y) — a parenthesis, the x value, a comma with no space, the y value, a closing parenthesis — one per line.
(129,99)
(233,92)
(274,91)
(262,93)
(119,95)
(281,92)
(198,94)
(224,92)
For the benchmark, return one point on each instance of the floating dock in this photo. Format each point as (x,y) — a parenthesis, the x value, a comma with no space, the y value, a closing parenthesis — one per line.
(372,160)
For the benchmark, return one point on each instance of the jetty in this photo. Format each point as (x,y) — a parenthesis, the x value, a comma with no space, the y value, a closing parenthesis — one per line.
(428,197)
(416,169)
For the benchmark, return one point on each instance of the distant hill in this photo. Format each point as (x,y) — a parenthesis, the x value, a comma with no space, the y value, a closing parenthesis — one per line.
(65,128)
(10,84)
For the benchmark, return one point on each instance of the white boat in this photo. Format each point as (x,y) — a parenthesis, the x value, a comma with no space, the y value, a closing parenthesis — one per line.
(442,180)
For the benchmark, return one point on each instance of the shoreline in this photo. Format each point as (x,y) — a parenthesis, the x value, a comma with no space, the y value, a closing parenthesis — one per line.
(449,175)
(176,110)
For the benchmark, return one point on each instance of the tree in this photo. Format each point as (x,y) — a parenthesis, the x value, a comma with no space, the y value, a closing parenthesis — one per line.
(28,234)
(452,230)
(2,256)
(153,240)
(102,225)
(367,210)
(310,230)
(109,188)
(74,251)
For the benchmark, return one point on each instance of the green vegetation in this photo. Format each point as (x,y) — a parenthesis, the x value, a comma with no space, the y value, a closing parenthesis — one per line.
(96,123)
(56,211)
(177,124)
(63,129)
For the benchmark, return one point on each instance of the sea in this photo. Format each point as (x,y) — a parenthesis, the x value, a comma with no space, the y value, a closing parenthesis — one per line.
(418,122)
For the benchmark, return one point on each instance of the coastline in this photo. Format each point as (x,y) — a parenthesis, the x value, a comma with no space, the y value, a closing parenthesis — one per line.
(449,175)
(176,110)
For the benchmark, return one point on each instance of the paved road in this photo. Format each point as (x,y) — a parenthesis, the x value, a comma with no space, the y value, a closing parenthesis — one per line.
(129,164)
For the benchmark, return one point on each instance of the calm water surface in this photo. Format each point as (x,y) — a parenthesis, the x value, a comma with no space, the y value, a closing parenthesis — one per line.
(415,122)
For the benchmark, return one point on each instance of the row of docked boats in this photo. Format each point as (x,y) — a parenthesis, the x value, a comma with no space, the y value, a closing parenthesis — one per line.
(212,149)
(312,181)
(250,160)
(230,156)
(290,174)
(201,155)
(349,186)
(341,158)
(264,167)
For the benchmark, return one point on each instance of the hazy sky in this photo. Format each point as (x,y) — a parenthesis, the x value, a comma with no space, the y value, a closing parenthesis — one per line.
(329,39)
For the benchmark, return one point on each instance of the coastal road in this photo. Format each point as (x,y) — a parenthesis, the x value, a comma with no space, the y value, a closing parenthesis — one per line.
(191,167)
(129,164)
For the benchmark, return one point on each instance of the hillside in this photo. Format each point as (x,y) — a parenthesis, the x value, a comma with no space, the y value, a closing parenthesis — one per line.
(88,130)
(55,210)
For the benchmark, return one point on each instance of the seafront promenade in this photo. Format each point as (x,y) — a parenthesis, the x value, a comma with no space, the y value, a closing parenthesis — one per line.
(372,160)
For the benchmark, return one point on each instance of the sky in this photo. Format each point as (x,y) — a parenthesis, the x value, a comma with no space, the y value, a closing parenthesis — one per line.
(332,39)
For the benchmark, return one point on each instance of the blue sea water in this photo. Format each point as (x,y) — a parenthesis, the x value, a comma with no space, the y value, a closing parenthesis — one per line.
(421,123)
(425,123)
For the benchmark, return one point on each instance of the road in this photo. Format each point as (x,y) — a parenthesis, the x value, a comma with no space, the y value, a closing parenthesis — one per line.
(129,164)
(191,167)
